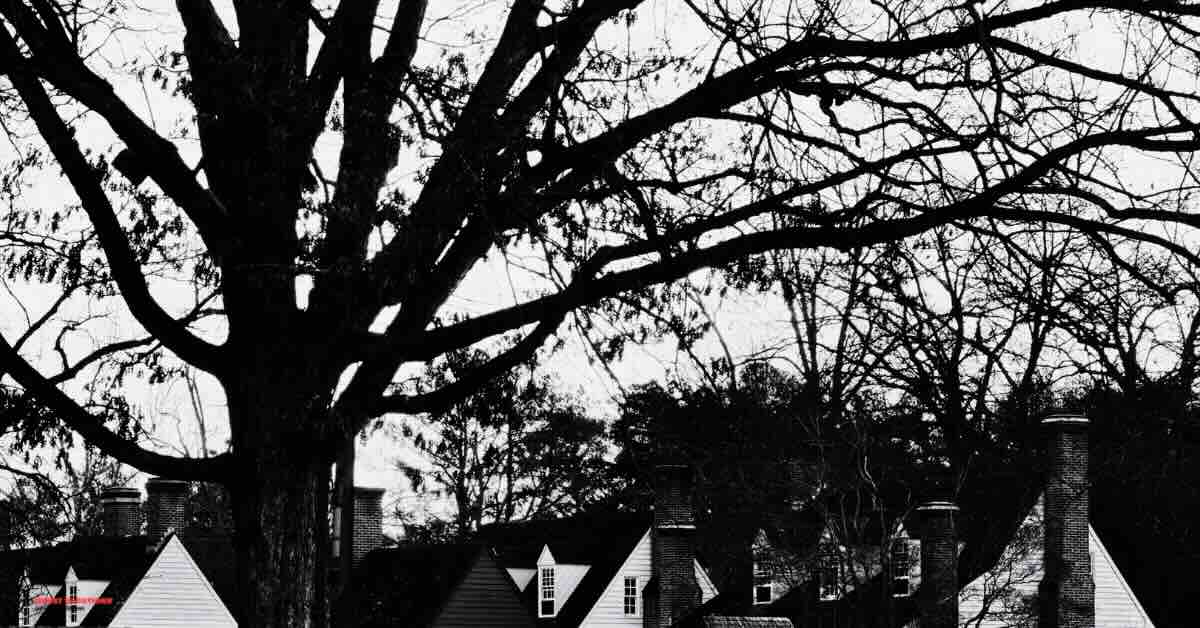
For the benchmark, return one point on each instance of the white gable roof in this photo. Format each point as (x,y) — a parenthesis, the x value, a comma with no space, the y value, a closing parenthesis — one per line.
(173,593)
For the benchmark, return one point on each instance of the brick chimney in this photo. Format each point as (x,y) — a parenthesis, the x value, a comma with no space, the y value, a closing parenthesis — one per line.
(1067,592)
(368,521)
(937,598)
(166,508)
(120,511)
(672,548)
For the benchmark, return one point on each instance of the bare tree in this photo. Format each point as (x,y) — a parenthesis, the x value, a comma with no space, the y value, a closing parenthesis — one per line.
(620,172)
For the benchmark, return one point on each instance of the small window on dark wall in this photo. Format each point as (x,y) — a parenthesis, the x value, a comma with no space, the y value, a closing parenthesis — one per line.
(901,564)
(630,596)
(762,583)
(546,592)
(829,575)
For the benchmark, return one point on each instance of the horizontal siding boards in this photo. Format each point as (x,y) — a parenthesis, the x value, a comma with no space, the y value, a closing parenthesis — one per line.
(708,590)
(566,580)
(521,577)
(485,597)
(89,590)
(173,593)
(1116,605)
(1009,590)
(609,610)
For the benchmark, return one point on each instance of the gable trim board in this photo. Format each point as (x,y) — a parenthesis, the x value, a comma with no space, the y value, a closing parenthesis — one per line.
(143,608)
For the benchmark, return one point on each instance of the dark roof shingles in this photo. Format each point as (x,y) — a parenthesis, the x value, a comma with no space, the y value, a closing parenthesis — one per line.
(426,574)
(601,540)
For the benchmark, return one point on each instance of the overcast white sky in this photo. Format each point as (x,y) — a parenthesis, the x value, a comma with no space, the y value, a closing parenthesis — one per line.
(748,324)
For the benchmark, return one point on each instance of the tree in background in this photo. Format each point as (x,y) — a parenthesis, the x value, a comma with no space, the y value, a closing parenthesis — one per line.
(752,454)
(518,448)
(698,143)
(1145,452)
(53,488)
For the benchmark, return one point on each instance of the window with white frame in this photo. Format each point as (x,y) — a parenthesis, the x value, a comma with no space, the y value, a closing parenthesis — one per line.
(25,612)
(901,564)
(72,603)
(762,583)
(630,597)
(546,592)
(829,575)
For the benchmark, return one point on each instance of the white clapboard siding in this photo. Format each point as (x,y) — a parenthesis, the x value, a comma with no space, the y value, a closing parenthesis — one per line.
(610,608)
(521,577)
(708,590)
(36,591)
(89,590)
(173,593)
(1010,589)
(566,579)
(1116,605)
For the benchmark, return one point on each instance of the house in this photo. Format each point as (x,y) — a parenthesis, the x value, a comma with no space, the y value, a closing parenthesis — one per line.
(122,578)
(1055,562)
(442,586)
(1007,595)
(614,569)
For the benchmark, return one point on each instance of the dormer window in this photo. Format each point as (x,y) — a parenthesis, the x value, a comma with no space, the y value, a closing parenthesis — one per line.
(72,603)
(26,610)
(25,606)
(901,564)
(829,575)
(546,592)
(762,584)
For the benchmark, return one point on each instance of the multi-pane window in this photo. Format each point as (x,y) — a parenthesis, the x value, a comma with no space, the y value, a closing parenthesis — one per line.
(546,592)
(72,604)
(901,564)
(829,575)
(631,595)
(762,583)
(26,610)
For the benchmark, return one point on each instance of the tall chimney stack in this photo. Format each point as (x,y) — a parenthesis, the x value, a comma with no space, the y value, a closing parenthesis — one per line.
(120,511)
(1067,592)
(368,521)
(166,508)
(937,599)
(672,548)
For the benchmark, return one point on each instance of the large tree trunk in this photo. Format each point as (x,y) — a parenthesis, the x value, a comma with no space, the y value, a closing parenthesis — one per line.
(277,538)
(282,474)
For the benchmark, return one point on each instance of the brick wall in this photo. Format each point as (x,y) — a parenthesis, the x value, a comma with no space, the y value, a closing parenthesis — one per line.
(121,511)
(166,507)
(673,552)
(368,521)
(1067,592)
(937,599)
(672,548)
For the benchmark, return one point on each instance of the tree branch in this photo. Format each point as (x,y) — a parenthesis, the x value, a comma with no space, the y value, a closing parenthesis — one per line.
(59,63)
(93,430)
(122,263)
